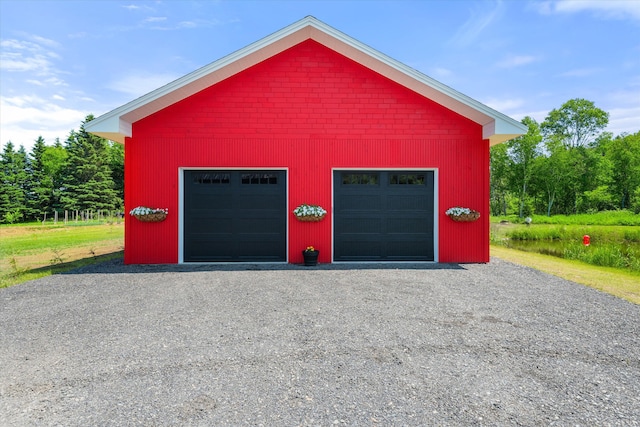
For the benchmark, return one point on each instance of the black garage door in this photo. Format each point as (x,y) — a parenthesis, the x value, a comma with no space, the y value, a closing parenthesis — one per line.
(234,216)
(383,216)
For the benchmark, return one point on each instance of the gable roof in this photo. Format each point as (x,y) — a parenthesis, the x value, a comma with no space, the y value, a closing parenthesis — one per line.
(117,124)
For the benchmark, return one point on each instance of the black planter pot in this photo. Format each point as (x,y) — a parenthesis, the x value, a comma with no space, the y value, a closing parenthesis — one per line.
(310,258)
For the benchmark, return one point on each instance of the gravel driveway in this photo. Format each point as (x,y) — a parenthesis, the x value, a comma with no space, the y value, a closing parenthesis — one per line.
(494,344)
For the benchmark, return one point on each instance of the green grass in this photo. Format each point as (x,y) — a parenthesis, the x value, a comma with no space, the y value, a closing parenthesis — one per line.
(20,276)
(621,217)
(30,251)
(598,233)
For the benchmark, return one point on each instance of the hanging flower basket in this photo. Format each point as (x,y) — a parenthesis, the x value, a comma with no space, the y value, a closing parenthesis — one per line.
(144,214)
(462,214)
(310,218)
(309,213)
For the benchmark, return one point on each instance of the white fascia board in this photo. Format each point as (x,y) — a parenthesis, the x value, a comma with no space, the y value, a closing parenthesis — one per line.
(119,121)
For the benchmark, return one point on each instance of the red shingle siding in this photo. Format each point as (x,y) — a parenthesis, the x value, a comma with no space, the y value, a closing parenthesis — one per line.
(307,109)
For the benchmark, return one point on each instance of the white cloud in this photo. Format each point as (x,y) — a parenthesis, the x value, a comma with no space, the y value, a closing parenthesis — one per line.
(480,18)
(624,120)
(516,61)
(610,9)
(136,85)
(156,19)
(44,41)
(25,118)
(580,72)
(187,24)
(538,116)
(504,105)
(21,56)
(440,72)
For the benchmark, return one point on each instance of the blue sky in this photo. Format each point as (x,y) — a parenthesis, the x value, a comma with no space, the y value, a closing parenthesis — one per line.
(61,60)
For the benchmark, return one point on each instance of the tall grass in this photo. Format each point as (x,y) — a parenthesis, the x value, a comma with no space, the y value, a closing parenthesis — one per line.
(598,233)
(622,217)
(606,255)
(611,246)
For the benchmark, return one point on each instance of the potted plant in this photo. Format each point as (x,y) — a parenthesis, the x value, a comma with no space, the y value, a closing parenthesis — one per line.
(462,214)
(310,256)
(309,213)
(145,214)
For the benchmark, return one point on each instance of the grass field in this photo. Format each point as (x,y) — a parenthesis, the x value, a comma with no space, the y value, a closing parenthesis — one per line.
(30,251)
(622,217)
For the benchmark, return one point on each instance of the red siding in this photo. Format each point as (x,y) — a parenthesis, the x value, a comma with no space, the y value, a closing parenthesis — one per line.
(308,110)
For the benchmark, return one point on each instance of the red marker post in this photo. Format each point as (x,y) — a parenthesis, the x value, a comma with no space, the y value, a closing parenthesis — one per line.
(586,240)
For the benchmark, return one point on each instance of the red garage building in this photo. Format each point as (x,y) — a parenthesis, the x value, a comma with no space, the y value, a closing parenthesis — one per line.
(306,115)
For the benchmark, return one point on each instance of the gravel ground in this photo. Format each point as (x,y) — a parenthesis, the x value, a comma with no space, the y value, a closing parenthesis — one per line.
(493,344)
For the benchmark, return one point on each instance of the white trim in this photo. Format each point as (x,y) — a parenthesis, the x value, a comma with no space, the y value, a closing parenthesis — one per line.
(117,124)
(183,169)
(435,213)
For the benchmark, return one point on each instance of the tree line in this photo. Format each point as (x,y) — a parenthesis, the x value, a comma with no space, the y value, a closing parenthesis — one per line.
(85,173)
(566,165)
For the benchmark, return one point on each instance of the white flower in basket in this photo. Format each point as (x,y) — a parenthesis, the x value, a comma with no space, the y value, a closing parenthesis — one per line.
(462,214)
(309,213)
(145,214)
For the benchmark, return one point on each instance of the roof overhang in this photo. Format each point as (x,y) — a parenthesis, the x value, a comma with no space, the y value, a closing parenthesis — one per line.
(117,124)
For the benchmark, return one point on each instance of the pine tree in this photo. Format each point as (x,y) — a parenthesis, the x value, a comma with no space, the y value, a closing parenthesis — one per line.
(88,184)
(116,163)
(13,178)
(40,184)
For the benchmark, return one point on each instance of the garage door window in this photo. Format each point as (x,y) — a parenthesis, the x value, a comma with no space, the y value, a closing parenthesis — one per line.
(211,178)
(360,179)
(406,179)
(259,178)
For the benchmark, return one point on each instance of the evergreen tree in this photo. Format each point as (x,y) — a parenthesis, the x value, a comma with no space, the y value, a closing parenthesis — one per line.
(13,179)
(88,184)
(116,164)
(40,184)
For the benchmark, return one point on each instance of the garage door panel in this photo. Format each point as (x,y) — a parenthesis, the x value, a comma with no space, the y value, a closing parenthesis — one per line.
(361,248)
(206,202)
(389,221)
(407,226)
(234,216)
(355,202)
(258,226)
(366,225)
(219,225)
(407,203)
